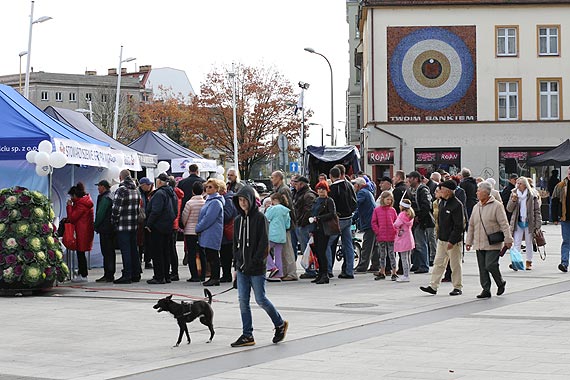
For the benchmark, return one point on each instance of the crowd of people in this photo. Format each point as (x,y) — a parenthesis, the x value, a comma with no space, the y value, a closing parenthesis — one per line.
(233,234)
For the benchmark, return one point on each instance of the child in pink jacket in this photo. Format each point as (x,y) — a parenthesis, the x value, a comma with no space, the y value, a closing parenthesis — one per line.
(404,240)
(383,219)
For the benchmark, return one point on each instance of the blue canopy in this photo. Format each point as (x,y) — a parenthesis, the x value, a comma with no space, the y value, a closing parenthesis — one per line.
(24,126)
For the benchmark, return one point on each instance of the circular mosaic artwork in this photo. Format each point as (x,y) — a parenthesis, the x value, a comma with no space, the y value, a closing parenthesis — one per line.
(431,68)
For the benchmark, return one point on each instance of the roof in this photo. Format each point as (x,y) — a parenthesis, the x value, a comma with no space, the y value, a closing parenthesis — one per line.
(172,80)
(24,126)
(162,145)
(391,3)
(74,79)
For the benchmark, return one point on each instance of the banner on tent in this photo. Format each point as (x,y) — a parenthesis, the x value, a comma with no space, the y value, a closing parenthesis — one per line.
(17,149)
(96,155)
(179,165)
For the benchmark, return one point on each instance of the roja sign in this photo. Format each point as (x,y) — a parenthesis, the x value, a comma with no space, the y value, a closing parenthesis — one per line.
(385,157)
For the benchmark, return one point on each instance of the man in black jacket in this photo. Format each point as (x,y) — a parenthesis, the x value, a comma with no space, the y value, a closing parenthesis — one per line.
(420,196)
(186,184)
(400,188)
(450,238)
(344,198)
(104,228)
(469,184)
(250,247)
(506,192)
(162,210)
(303,204)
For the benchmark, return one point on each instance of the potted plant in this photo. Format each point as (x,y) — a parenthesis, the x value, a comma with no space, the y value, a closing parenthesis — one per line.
(30,251)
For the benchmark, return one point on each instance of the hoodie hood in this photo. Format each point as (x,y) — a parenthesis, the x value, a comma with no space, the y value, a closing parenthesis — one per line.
(248,193)
(85,201)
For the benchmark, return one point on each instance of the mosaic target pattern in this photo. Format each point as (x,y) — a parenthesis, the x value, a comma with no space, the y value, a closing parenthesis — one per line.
(431,68)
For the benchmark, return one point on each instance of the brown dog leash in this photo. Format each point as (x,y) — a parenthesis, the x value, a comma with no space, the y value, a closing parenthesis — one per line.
(223,291)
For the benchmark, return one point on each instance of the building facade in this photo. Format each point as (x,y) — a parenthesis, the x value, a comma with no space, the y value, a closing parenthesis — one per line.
(354,89)
(451,84)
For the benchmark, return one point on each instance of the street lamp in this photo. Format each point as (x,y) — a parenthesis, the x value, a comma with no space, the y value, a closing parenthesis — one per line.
(304,86)
(32,22)
(322,133)
(232,76)
(311,50)
(22,53)
(118,97)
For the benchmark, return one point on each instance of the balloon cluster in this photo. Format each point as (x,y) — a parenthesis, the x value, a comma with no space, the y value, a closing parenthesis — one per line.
(114,170)
(45,159)
(162,167)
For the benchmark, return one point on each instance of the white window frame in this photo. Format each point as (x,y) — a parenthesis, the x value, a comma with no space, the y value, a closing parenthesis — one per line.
(44,96)
(88,96)
(103,98)
(58,97)
(548,37)
(507,96)
(550,96)
(72,97)
(506,38)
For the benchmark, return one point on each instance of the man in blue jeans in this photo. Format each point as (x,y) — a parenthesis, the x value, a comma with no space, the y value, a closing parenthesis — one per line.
(344,198)
(303,203)
(124,217)
(421,199)
(250,247)
(560,210)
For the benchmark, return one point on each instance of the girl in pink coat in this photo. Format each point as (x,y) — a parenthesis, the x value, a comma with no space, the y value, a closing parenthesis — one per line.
(383,219)
(404,240)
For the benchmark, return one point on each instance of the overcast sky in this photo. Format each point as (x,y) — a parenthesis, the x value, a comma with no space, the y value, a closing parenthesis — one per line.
(191,35)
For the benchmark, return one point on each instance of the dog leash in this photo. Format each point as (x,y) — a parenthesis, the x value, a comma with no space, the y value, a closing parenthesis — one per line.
(222,292)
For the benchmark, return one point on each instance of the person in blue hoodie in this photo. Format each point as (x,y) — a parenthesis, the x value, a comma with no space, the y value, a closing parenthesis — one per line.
(162,210)
(251,246)
(363,215)
(210,228)
(279,223)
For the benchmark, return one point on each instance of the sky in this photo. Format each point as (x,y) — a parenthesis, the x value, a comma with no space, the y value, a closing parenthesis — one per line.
(194,36)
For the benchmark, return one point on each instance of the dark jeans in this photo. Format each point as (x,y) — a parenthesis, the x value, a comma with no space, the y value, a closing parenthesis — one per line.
(193,248)
(369,252)
(107,242)
(488,262)
(81,263)
(147,248)
(226,258)
(160,243)
(321,242)
(213,257)
(128,244)
(173,253)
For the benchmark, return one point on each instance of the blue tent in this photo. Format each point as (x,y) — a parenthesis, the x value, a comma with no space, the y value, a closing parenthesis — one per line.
(24,126)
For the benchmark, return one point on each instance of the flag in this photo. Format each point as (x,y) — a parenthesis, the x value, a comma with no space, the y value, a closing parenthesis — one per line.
(299,105)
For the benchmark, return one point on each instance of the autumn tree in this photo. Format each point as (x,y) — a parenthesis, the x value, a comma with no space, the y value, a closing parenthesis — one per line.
(103,104)
(263,103)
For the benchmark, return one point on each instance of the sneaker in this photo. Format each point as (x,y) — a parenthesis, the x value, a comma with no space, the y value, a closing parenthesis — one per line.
(305,276)
(280,332)
(243,341)
(563,268)
(79,279)
(380,277)
(394,277)
(403,279)
(428,289)
(273,272)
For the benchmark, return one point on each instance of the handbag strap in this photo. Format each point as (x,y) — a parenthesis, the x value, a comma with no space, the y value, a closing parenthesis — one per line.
(481,218)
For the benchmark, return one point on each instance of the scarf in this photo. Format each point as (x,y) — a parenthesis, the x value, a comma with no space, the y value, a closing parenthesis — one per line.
(522,204)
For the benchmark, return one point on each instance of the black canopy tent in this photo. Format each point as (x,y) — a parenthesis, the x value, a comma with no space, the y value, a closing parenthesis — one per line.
(559,156)
(320,159)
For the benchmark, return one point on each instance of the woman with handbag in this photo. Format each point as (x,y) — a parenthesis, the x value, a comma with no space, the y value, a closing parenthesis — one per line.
(80,214)
(524,205)
(326,220)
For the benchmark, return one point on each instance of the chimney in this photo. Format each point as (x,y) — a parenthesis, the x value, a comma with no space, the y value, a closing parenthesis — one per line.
(90,72)
(112,71)
(145,68)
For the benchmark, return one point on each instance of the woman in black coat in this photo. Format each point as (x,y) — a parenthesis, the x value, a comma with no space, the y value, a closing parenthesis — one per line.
(324,210)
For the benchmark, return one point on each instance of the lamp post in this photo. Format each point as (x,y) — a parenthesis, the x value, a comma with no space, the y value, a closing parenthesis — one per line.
(311,50)
(22,53)
(232,76)
(304,86)
(322,133)
(32,22)
(118,97)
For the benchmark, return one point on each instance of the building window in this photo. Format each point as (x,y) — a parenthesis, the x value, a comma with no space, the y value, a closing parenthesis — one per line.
(103,98)
(58,97)
(549,99)
(72,97)
(507,41)
(45,96)
(549,40)
(88,96)
(508,99)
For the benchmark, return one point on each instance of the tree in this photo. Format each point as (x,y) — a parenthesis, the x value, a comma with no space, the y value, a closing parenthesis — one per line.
(263,103)
(103,103)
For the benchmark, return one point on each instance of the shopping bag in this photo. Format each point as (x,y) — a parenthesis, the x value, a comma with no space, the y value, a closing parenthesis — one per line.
(309,261)
(69,240)
(516,259)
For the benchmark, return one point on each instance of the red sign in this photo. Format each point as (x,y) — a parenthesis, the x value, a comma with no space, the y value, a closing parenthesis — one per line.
(449,156)
(516,155)
(381,157)
(425,157)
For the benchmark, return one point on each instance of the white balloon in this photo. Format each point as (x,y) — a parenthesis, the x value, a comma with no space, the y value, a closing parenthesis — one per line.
(45,146)
(185,175)
(163,167)
(113,172)
(42,171)
(220,169)
(57,160)
(42,159)
(120,160)
(31,156)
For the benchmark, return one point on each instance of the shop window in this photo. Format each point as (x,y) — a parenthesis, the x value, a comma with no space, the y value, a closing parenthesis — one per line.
(507,41)
(430,160)
(508,99)
(548,40)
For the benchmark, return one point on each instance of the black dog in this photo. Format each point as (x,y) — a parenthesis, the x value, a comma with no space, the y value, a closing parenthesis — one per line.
(186,312)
